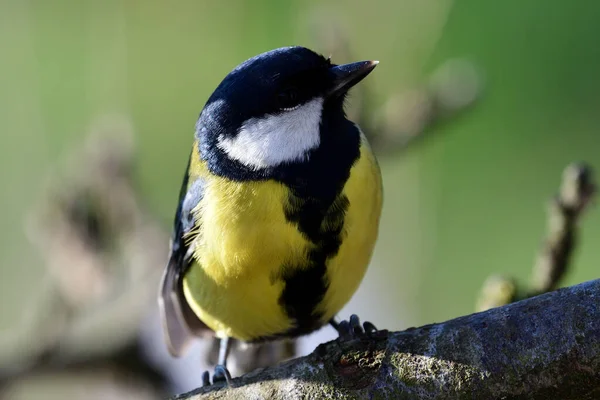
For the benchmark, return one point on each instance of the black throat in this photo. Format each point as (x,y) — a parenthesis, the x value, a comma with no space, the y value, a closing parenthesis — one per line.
(324,173)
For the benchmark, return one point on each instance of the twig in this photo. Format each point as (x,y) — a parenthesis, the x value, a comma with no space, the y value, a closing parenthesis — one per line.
(576,191)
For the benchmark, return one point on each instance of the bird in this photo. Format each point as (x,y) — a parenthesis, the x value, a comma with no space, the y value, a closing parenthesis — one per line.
(279,209)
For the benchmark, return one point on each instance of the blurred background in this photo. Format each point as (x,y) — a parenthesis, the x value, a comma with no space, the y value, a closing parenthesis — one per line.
(98,102)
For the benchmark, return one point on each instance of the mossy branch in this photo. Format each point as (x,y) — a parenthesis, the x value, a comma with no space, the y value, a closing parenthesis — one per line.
(543,347)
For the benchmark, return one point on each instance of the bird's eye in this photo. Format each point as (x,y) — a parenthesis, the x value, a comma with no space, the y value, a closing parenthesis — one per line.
(287,98)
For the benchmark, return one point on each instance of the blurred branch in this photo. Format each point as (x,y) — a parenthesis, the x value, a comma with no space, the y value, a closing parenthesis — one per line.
(520,350)
(576,192)
(104,256)
(404,117)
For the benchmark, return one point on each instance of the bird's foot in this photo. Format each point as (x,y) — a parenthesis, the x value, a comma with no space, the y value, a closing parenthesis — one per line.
(353,329)
(220,375)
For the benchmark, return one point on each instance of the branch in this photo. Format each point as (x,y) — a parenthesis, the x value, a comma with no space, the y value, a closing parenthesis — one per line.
(544,347)
(576,192)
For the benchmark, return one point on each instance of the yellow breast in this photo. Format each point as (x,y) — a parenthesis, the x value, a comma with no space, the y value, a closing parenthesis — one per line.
(245,240)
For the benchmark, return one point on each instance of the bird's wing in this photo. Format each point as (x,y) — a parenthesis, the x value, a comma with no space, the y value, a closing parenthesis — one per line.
(179,322)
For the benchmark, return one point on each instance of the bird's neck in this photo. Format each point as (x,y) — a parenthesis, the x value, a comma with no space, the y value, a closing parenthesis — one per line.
(327,169)
(321,176)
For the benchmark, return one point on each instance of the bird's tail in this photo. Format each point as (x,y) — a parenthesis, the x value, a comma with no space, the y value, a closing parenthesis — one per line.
(180,324)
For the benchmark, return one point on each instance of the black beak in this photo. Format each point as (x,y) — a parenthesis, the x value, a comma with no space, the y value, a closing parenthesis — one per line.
(347,75)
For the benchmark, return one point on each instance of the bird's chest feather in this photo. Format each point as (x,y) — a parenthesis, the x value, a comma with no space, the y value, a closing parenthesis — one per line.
(269,262)
(245,232)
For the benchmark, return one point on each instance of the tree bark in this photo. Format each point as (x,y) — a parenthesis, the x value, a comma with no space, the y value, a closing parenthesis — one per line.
(545,347)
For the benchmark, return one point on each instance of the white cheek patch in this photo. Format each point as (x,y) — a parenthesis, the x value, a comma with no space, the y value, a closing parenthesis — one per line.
(276,139)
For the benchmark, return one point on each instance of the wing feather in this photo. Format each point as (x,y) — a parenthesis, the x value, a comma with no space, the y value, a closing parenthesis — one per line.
(179,322)
(177,333)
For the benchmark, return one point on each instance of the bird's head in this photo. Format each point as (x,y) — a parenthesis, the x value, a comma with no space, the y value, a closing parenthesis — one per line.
(269,111)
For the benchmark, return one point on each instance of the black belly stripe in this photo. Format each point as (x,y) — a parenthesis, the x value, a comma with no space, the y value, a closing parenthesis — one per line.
(305,284)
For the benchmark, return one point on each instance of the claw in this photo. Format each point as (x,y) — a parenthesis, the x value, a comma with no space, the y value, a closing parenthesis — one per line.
(220,375)
(369,328)
(344,330)
(357,330)
(353,329)
(205,378)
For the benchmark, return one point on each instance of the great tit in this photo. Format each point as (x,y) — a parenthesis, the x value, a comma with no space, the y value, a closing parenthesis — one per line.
(279,208)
